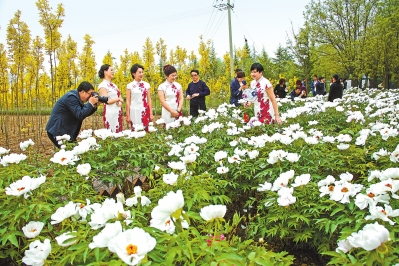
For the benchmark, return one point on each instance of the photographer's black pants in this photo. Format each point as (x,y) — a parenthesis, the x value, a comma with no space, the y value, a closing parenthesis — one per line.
(53,140)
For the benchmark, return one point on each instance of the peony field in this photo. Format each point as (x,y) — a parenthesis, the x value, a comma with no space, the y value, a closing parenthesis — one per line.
(215,190)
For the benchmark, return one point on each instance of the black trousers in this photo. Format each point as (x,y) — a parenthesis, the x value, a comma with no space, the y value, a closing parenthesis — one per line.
(194,107)
(53,140)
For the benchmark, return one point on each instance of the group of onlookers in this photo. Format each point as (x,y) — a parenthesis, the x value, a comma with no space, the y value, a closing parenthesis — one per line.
(317,87)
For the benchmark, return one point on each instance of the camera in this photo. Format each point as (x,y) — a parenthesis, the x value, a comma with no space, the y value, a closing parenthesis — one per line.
(101,99)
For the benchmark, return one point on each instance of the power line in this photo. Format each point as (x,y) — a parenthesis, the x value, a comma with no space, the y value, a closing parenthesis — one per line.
(211,19)
(215,30)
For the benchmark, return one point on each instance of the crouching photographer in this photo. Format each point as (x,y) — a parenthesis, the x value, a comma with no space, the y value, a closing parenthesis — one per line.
(70,110)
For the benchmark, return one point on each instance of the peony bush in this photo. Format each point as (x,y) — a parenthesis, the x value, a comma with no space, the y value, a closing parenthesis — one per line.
(221,191)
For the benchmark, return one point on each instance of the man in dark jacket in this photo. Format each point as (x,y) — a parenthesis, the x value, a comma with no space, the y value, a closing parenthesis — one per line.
(336,89)
(196,92)
(236,87)
(70,111)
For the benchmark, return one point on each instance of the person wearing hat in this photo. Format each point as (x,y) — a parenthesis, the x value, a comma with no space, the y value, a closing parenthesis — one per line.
(336,89)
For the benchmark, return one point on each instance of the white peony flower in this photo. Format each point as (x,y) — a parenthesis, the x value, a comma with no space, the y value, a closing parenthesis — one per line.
(370,237)
(220,155)
(253,154)
(168,206)
(24,145)
(110,231)
(134,201)
(110,209)
(233,143)
(344,246)
(37,252)
(177,165)
(83,169)
(189,158)
(292,157)
(3,151)
(301,180)
(222,170)
(63,213)
(32,229)
(343,146)
(64,157)
(378,212)
(24,186)
(132,245)
(265,187)
(170,179)
(12,158)
(211,212)
(234,159)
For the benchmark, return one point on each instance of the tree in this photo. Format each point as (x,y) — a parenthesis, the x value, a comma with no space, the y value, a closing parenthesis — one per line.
(87,61)
(282,62)
(35,66)
(108,59)
(149,62)
(123,76)
(300,47)
(161,52)
(18,41)
(4,86)
(65,70)
(382,45)
(51,22)
(341,24)
(204,64)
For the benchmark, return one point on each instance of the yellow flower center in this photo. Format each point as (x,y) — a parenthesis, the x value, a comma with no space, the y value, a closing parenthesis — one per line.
(389,185)
(81,205)
(331,188)
(345,189)
(21,188)
(63,159)
(167,222)
(384,212)
(131,249)
(371,195)
(33,230)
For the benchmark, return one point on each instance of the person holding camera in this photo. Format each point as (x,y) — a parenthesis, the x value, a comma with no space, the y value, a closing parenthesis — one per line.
(138,99)
(170,95)
(237,86)
(196,92)
(69,112)
(297,92)
(112,115)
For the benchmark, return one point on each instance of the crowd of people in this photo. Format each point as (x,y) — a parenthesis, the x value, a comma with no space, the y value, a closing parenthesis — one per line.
(72,108)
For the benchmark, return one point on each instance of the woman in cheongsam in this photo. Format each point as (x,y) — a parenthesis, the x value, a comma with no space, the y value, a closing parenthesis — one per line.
(138,99)
(113,108)
(265,107)
(170,95)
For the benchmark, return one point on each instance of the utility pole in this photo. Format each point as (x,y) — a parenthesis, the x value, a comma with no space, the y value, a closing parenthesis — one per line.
(222,7)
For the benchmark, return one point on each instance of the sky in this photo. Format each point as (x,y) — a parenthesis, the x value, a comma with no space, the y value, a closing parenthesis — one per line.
(125,24)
